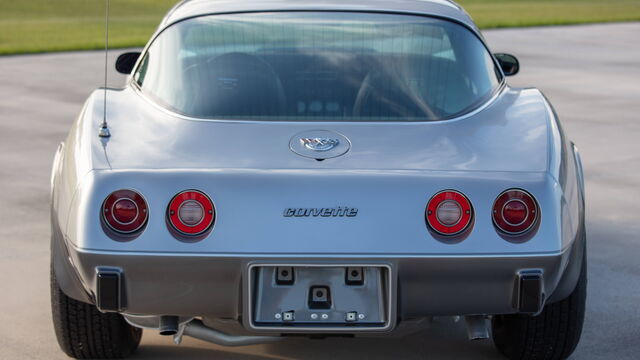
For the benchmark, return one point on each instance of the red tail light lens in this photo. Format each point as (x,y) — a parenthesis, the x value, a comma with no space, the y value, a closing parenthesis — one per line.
(191,213)
(125,211)
(449,213)
(515,212)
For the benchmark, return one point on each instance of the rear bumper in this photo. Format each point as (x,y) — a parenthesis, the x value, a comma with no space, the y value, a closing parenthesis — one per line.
(213,286)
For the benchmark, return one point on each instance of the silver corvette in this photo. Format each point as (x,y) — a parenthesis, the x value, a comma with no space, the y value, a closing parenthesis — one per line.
(321,168)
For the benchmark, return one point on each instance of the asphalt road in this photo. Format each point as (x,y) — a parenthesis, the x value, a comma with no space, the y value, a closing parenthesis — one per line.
(590,73)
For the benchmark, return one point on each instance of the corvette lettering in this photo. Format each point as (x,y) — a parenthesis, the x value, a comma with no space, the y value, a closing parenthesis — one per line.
(340,211)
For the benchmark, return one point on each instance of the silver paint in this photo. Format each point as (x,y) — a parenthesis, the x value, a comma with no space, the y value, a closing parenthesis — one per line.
(389,173)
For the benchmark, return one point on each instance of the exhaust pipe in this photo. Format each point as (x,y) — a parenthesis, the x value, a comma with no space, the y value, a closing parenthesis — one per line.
(477,328)
(196,329)
(169,325)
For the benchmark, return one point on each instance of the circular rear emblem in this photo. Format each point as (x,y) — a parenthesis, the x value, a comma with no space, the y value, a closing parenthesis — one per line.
(319,144)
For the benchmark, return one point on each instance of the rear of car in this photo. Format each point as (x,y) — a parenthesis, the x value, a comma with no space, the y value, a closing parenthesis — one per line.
(318,172)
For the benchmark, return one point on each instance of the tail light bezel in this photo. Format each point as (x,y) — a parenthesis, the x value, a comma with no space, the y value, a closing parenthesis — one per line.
(200,228)
(463,224)
(118,227)
(525,227)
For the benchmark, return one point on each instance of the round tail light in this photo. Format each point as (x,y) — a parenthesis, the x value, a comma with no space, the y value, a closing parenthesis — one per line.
(515,212)
(191,213)
(125,211)
(449,213)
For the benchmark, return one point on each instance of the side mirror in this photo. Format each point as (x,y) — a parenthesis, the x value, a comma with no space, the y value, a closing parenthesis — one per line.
(126,62)
(509,64)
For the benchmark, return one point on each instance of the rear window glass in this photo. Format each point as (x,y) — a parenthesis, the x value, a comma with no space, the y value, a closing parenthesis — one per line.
(318,66)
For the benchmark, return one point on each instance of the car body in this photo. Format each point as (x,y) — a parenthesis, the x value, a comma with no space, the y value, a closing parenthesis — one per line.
(346,188)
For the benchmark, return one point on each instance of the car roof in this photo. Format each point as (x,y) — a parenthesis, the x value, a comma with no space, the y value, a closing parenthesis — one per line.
(441,8)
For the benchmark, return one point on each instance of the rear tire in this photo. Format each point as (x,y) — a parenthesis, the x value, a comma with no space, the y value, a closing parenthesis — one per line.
(552,335)
(83,332)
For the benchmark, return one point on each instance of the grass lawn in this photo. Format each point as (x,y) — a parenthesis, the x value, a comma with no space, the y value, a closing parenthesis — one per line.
(55,25)
(513,13)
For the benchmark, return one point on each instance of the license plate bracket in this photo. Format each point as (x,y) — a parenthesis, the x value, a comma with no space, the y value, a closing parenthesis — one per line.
(320,298)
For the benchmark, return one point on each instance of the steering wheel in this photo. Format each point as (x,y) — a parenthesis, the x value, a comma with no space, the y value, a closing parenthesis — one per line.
(240,84)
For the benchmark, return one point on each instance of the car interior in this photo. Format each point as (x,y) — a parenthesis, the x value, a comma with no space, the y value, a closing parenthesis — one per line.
(324,84)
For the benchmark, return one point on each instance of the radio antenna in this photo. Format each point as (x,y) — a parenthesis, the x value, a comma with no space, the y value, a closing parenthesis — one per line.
(104,129)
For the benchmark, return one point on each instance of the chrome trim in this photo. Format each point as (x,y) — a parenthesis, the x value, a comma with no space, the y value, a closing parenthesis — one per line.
(119,232)
(533,223)
(339,148)
(210,227)
(525,206)
(471,218)
(134,204)
(104,131)
(319,144)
